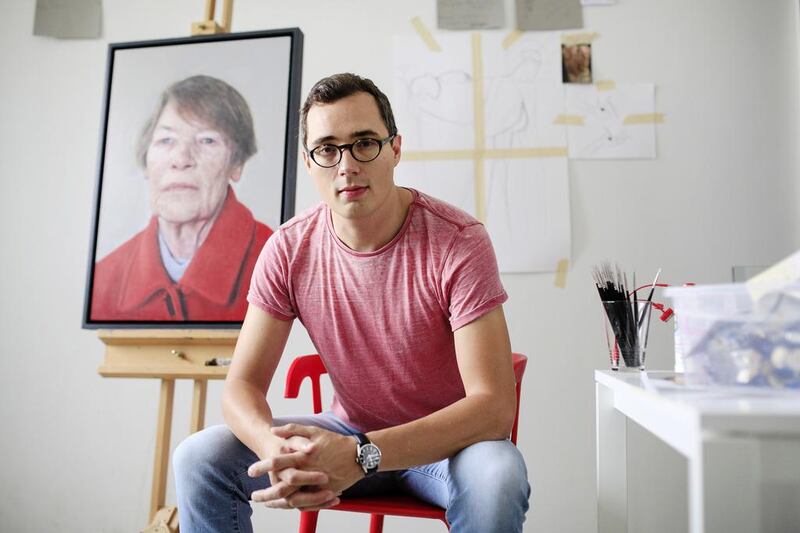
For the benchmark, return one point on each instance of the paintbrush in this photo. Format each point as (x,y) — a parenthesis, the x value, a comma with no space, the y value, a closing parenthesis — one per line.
(649,297)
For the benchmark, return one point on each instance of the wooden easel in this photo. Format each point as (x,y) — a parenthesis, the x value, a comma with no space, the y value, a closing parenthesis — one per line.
(209,26)
(167,355)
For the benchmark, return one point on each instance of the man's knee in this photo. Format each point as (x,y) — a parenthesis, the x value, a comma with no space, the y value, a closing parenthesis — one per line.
(491,473)
(489,488)
(200,452)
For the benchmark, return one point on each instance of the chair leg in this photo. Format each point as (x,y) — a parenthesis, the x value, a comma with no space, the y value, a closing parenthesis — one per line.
(308,521)
(376,523)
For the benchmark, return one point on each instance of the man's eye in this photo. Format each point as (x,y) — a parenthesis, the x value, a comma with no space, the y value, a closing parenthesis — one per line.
(207,140)
(365,144)
(326,150)
(164,141)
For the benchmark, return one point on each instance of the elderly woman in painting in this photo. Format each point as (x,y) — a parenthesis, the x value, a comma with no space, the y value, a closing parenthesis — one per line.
(194,259)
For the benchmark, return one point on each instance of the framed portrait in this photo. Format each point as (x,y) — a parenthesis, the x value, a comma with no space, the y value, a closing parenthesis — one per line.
(196,169)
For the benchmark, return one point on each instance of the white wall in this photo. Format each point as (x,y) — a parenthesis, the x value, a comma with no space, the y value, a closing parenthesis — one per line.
(76,449)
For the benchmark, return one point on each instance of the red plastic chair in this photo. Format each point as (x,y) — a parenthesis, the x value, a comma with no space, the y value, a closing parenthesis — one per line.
(311,366)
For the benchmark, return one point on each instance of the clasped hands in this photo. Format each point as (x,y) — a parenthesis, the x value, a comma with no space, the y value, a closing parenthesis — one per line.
(309,468)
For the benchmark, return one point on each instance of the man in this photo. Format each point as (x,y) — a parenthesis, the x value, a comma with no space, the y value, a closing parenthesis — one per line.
(400,294)
(194,259)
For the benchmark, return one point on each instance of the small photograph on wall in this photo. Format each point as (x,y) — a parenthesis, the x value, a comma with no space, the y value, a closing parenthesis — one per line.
(197,166)
(576,63)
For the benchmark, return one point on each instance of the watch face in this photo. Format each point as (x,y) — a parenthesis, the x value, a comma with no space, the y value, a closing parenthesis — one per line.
(369,456)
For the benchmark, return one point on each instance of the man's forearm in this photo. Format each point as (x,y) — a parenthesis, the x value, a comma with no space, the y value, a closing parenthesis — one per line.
(444,433)
(248,415)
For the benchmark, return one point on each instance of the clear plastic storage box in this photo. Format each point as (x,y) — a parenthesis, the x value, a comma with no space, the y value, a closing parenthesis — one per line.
(733,335)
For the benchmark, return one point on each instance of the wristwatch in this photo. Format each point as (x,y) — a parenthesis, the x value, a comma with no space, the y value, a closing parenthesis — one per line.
(368,456)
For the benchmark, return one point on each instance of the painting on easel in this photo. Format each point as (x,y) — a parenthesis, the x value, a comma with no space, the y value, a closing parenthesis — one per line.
(197,166)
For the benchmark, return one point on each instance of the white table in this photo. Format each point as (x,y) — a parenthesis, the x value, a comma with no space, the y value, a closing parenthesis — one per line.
(719,432)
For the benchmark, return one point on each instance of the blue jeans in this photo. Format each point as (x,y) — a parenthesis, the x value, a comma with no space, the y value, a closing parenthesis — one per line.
(484,488)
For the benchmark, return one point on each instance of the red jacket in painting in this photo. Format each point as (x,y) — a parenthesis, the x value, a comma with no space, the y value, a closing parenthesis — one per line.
(131,283)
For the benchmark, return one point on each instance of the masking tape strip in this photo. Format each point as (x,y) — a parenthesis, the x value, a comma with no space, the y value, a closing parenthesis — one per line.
(480,129)
(477,90)
(572,39)
(569,120)
(561,273)
(433,155)
(511,38)
(606,85)
(501,153)
(646,118)
(480,191)
(517,153)
(425,35)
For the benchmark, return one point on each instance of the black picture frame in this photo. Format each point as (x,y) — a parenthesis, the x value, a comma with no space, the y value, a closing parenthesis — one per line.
(264,68)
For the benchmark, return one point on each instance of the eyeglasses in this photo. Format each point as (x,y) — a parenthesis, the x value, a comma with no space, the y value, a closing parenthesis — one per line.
(363,150)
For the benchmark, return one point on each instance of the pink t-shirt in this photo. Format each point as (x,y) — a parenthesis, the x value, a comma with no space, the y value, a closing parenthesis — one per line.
(383,321)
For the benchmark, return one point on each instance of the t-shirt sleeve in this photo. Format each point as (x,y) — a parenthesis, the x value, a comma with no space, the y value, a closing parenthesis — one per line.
(470,278)
(269,286)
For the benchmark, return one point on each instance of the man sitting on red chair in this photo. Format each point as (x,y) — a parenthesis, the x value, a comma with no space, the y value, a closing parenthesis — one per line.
(401,295)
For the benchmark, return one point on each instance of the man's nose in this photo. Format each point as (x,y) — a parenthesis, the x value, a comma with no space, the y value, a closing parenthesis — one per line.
(182,156)
(348,164)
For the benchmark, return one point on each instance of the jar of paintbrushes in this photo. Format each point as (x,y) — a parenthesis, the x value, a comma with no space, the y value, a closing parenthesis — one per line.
(626,316)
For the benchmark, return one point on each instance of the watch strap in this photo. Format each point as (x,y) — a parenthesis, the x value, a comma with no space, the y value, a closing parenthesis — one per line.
(361,438)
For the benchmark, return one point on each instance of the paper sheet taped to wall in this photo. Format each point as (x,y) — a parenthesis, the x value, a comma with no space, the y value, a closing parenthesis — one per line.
(68,19)
(613,127)
(470,14)
(486,139)
(543,15)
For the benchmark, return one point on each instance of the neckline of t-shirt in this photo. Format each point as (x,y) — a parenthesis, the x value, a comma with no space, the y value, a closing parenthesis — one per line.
(385,247)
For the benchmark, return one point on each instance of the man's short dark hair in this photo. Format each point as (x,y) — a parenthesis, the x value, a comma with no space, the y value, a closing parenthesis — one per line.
(210,100)
(334,88)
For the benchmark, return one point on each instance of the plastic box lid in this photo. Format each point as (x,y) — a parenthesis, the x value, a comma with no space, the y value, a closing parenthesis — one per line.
(724,300)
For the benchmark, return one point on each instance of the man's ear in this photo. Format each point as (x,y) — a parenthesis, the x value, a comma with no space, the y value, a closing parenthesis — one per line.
(396,144)
(236,173)
(306,159)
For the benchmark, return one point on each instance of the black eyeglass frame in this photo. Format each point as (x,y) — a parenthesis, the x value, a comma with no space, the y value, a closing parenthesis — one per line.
(349,148)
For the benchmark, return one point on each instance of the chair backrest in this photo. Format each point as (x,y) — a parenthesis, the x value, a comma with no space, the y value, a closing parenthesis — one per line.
(311,366)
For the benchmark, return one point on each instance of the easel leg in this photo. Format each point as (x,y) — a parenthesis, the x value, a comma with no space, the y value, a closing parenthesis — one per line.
(163,433)
(210,9)
(198,405)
